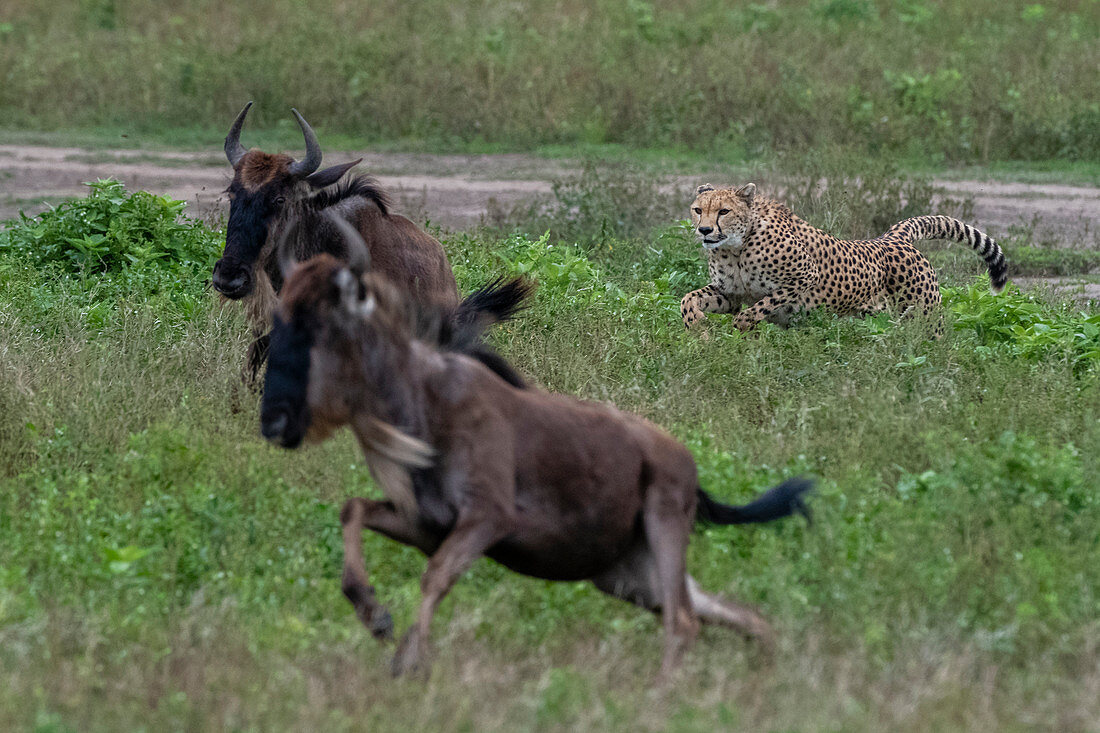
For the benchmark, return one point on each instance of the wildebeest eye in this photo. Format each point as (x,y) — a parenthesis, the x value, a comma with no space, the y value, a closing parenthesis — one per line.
(280,200)
(697,210)
(723,212)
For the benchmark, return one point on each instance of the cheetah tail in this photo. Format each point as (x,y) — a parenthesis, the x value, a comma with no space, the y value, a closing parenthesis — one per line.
(944,227)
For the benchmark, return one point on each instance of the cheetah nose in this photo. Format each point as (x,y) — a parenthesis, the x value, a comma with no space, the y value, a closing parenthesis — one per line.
(706,230)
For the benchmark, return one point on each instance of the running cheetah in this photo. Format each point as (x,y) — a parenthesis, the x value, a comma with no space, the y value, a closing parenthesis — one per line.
(764,257)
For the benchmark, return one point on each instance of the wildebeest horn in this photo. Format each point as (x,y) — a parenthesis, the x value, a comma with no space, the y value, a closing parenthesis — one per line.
(284,252)
(358,254)
(312,161)
(233,148)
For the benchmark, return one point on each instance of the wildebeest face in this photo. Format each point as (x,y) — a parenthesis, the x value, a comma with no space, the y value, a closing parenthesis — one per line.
(323,306)
(264,191)
(253,211)
(284,413)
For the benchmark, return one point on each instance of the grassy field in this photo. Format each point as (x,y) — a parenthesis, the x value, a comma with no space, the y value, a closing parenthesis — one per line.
(162,568)
(944,82)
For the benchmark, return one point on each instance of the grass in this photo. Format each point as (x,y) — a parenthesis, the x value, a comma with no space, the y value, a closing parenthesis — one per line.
(736,82)
(163,567)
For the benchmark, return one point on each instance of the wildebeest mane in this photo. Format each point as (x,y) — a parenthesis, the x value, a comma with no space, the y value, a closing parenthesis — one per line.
(363,186)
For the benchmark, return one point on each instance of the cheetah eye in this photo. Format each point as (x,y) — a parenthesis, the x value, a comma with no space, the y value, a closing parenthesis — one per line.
(697,210)
(723,212)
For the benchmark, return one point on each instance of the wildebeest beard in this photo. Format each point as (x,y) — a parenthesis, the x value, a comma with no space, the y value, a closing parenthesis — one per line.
(284,411)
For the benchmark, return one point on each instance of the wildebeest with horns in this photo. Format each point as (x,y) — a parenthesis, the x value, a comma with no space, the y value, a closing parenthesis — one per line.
(547,485)
(270,190)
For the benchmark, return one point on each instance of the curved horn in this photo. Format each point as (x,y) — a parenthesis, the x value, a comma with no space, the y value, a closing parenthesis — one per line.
(285,251)
(358,253)
(233,148)
(312,161)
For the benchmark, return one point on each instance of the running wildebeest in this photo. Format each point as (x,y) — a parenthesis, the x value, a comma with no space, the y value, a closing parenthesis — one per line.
(546,485)
(270,190)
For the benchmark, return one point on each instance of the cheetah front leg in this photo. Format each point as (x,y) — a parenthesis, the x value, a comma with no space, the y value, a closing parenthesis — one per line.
(777,305)
(707,299)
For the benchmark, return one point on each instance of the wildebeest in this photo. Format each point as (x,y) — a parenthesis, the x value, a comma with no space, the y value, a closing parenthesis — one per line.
(547,485)
(270,190)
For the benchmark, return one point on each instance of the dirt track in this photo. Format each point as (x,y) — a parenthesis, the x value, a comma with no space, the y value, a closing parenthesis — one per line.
(455,191)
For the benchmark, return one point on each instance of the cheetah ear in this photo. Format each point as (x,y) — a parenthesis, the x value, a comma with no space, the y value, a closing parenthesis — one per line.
(746,192)
(704,188)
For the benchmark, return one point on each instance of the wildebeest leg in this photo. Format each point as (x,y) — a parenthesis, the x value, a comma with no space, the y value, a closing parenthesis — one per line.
(468,541)
(254,360)
(667,530)
(717,610)
(380,516)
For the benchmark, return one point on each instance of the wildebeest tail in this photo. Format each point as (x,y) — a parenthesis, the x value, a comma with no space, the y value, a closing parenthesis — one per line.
(944,227)
(492,303)
(777,502)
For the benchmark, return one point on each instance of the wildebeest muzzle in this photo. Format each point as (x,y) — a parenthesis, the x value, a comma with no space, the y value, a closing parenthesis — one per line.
(231,278)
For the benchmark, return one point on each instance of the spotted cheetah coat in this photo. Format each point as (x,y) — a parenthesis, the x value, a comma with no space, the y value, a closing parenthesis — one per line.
(765,258)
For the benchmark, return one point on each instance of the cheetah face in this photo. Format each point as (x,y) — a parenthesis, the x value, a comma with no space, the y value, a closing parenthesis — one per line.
(722,217)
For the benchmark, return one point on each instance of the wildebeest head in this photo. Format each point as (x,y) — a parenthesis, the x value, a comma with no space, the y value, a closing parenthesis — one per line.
(265,193)
(324,309)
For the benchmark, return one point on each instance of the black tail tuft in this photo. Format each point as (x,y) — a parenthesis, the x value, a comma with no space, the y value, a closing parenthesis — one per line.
(998,271)
(780,501)
(496,301)
(492,303)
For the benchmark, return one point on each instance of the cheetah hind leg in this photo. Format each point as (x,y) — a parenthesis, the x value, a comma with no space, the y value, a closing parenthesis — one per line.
(928,310)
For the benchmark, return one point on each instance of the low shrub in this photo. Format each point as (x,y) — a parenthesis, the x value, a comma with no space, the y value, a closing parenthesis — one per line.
(112,230)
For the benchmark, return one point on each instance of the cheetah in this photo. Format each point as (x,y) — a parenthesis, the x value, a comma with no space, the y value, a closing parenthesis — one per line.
(764,257)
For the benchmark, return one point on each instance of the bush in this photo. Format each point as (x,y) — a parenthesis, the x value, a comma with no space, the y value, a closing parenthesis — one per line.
(857,197)
(112,231)
(1026,326)
(600,202)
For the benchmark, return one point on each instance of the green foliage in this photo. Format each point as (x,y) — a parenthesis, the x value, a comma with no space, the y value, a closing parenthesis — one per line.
(1027,326)
(112,230)
(737,79)
(1043,261)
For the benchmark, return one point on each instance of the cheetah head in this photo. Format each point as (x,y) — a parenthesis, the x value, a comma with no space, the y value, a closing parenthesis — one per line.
(722,216)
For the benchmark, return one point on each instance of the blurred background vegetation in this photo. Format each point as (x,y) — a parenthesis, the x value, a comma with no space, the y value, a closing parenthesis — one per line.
(950,82)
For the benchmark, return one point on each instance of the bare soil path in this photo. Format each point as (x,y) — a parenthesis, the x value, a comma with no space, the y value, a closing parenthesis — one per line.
(455,191)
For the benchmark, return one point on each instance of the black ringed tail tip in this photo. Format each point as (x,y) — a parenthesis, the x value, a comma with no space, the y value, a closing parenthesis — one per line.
(945,227)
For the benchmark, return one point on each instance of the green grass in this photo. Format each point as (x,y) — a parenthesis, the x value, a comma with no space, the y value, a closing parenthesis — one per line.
(161,567)
(1010,82)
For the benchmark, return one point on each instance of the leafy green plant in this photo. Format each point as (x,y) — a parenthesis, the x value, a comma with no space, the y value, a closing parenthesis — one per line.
(1026,325)
(112,230)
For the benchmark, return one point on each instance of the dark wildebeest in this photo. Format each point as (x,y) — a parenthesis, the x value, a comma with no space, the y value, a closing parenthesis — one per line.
(268,191)
(544,484)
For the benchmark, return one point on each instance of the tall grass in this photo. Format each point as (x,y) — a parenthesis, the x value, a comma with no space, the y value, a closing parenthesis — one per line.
(162,567)
(949,81)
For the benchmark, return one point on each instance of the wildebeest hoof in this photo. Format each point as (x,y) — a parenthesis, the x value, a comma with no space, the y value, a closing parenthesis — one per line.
(764,639)
(377,619)
(381,625)
(408,656)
